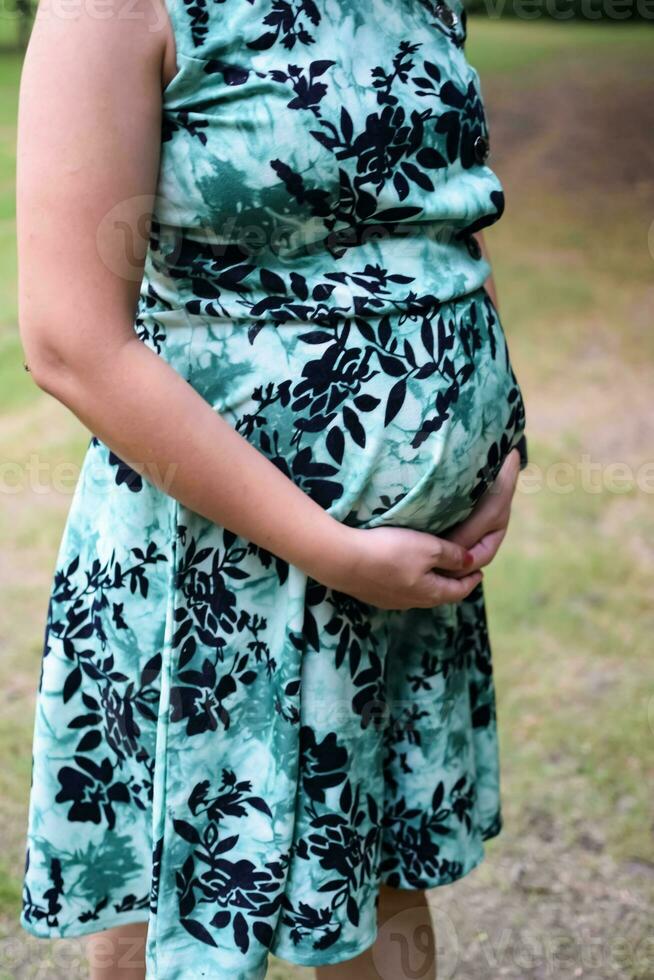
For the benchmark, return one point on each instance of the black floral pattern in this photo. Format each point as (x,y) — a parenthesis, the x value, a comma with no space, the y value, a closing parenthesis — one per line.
(223,745)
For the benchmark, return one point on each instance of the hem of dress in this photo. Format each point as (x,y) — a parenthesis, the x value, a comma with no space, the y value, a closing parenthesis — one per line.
(75,930)
(320,958)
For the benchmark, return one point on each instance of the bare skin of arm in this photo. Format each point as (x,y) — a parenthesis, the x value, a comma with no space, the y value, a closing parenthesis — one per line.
(88,142)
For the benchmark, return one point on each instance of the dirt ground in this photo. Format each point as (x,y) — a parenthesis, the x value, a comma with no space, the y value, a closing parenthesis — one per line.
(575,130)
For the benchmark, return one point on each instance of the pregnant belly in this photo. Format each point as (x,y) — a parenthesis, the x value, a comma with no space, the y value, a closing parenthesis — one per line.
(401,421)
(446,444)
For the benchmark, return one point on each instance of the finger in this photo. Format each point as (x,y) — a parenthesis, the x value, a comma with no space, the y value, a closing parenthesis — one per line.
(483,552)
(476,553)
(454,589)
(472,529)
(511,465)
(467,534)
(451,556)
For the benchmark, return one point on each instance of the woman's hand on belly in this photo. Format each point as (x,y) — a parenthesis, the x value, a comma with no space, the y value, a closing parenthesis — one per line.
(484,530)
(398,568)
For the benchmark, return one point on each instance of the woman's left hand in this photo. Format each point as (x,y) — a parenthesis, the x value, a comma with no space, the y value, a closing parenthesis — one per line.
(484,530)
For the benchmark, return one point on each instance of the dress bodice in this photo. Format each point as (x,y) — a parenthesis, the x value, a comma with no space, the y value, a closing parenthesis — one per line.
(317,156)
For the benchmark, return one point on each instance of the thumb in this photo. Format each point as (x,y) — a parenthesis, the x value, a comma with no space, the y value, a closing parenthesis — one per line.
(486,548)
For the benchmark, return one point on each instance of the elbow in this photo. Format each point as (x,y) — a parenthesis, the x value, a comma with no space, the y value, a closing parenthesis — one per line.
(47,365)
(42,375)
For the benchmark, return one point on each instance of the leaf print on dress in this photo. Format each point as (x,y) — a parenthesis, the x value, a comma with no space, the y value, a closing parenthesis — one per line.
(224,747)
(289,22)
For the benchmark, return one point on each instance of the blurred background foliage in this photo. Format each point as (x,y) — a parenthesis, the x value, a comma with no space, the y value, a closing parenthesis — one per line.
(595,11)
(15,24)
(568,888)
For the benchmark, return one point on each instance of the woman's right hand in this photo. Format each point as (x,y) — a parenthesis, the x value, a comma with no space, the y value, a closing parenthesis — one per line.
(399,568)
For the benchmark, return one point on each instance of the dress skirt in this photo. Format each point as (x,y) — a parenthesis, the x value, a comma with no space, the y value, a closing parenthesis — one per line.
(226,748)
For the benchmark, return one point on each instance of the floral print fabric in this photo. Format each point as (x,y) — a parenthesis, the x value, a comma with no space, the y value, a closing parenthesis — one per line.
(224,747)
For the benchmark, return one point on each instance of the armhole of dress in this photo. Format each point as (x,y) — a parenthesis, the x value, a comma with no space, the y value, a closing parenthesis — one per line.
(176,13)
(460,10)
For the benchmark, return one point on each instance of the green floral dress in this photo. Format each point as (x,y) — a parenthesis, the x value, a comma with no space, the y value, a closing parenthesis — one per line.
(224,747)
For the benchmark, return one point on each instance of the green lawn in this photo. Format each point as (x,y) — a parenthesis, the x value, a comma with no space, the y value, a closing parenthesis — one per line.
(502,47)
(571,596)
(8,27)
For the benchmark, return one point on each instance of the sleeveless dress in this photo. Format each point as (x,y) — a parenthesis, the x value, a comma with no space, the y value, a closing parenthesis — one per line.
(224,747)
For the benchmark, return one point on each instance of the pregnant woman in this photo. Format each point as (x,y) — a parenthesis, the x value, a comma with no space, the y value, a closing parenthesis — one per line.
(250,264)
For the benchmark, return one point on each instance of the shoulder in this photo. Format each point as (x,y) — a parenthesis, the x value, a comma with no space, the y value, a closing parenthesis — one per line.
(112,36)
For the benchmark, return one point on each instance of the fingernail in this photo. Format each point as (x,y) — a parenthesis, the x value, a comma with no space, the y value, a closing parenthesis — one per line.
(469,558)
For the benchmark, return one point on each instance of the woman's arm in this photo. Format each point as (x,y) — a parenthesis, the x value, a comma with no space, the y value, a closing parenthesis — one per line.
(88,145)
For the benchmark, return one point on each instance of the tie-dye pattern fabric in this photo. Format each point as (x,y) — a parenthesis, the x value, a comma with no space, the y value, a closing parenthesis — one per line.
(222,746)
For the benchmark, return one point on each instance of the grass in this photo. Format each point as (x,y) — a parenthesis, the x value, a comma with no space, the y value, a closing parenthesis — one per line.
(8,28)
(573,616)
(9,69)
(570,596)
(500,47)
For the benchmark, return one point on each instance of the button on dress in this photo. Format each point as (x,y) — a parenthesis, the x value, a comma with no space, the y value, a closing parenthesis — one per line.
(224,747)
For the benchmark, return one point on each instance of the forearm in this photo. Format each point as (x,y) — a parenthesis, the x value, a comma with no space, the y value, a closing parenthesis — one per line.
(140,407)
